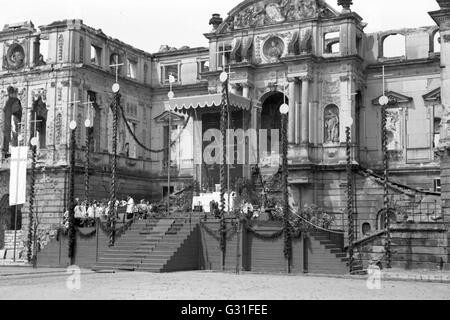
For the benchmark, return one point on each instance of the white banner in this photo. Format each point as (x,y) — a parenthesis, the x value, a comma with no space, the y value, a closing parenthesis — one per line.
(18,176)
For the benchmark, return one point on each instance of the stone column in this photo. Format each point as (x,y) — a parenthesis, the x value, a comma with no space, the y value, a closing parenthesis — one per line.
(442,18)
(36,51)
(304,114)
(292,111)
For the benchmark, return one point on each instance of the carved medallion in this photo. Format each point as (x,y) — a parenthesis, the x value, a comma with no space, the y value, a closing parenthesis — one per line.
(15,57)
(273,49)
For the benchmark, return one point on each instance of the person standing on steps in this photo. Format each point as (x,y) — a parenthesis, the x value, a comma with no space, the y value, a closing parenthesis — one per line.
(130,208)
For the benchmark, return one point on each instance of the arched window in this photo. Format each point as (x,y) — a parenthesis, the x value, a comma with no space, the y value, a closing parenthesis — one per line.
(331,124)
(39,122)
(394,46)
(366,229)
(436,42)
(12,114)
(381,218)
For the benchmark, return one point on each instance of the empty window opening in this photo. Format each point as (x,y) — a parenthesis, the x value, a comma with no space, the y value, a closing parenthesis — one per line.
(39,122)
(132,69)
(366,229)
(224,56)
(332,42)
(203,66)
(437,185)
(115,59)
(436,132)
(96,55)
(167,71)
(394,46)
(43,52)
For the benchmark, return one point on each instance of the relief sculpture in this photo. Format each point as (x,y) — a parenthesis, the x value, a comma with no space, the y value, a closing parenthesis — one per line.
(271,12)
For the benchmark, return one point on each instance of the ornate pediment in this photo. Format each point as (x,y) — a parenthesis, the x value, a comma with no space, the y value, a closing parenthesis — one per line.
(257,13)
(394,99)
(164,118)
(433,96)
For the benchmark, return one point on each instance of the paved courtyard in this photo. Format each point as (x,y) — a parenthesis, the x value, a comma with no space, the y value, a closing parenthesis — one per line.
(205,286)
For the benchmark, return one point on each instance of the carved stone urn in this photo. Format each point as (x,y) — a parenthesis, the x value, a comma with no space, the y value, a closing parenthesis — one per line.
(215,21)
(345,5)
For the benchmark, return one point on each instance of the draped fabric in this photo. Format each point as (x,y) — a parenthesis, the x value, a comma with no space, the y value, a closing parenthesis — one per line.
(18,176)
(247,43)
(294,43)
(236,46)
(208,101)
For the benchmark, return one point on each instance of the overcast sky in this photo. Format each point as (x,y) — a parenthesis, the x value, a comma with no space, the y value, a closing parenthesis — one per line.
(147,24)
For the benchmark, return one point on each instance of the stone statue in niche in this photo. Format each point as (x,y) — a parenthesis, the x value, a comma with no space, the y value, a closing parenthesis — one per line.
(273,49)
(331,124)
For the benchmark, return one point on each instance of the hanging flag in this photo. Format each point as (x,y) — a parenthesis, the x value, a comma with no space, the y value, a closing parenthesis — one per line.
(18,176)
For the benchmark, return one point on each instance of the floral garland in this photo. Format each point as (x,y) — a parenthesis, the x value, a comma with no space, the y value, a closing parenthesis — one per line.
(228,233)
(275,235)
(87,235)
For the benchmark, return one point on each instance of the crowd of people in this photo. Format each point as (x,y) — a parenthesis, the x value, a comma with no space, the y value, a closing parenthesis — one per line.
(87,212)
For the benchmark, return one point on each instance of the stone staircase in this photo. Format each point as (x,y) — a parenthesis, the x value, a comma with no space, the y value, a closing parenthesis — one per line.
(161,258)
(135,245)
(148,246)
(332,247)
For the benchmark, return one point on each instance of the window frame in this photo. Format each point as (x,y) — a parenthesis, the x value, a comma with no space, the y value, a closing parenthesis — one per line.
(132,62)
(164,79)
(98,55)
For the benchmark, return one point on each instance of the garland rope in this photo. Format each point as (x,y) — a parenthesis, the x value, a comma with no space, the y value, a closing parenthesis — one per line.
(31,202)
(230,232)
(72,231)
(112,206)
(87,163)
(102,226)
(387,221)
(122,112)
(223,182)
(350,201)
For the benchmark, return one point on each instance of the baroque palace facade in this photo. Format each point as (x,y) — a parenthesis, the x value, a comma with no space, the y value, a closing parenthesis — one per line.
(320,61)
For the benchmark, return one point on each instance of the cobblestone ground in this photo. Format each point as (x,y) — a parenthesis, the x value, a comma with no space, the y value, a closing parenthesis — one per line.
(204,286)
